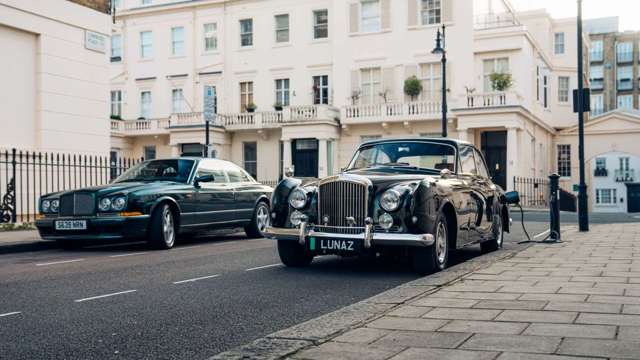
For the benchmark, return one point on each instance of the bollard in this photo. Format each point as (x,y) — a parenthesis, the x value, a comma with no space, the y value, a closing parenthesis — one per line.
(554,206)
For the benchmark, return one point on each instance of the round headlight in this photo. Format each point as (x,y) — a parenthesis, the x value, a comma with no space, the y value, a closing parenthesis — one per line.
(297,217)
(298,199)
(45,206)
(390,200)
(55,204)
(385,221)
(104,204)
(119,203)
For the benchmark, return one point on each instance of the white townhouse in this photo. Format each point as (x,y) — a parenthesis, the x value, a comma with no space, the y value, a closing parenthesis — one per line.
(301,83)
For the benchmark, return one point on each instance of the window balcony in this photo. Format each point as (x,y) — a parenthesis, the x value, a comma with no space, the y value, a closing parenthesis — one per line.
(625,175)
(140,127)
(391,112)
(493,99)
(600,172)
(495,21)
(625,84)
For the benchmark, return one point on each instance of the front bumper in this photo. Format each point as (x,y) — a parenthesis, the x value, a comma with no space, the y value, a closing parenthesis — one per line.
(368,237)
(98,228)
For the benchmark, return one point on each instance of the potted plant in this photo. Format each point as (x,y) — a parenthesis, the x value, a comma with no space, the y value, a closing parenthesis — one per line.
(355,96)
(412,87)
(277,106)
(251,107)
(500,81)
(116,117)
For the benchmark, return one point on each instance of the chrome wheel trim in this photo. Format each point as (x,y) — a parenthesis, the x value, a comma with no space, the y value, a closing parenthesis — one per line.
(262,218)
(168,230)
(441,243)
(500,233)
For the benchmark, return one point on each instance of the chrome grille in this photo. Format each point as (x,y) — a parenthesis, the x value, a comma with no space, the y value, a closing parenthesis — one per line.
(66,205)
(77,204)
(339,200)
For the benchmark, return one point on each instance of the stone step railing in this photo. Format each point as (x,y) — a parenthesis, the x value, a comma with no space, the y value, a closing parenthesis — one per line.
(418,110)
(493,99)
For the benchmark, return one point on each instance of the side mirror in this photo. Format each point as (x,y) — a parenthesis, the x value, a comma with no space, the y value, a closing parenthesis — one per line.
(445,173)
(203,179)
(511,197)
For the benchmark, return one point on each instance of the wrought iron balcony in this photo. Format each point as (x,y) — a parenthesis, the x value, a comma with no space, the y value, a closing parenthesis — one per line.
(600,172)
(625,175)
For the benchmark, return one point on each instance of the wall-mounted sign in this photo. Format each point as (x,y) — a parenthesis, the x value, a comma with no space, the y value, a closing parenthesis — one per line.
(95,41)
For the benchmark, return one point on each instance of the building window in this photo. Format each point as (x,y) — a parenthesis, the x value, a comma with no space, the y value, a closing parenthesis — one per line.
(545,91)
(537,83)
(564,160)
(150,152)
(246,32)
(116,104)
(563,89)
(116,4)
(282,28)
(624,77)
(558,43)
(625,102)
(177,41)
(624,52)
(116,48)
(250,158)
(177,101)
(282,92)
(601,163)
(597,51)
(624,163)
(490,66)
(210,37)
(146,44)
(370,19)
(430,11)
(431,78)
(597,104)
(371,85)
(147,2)
(321,89)
(192,149)
(246,94)
(321,24)
(145,104)
(596,77)
(606,196)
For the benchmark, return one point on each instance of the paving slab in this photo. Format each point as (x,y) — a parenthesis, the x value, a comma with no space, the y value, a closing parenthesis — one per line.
(606,348)
(584,307)
(485,327)
(513,343)
(426,339)
(572,330)
(440,354)
(342,351)
(462,314)
(538,316)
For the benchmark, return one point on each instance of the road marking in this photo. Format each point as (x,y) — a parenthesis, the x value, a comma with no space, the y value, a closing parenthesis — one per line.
(263,267)
(123,255)
(186,247)
(104,296)
(196,279)
(542,234)
(59,262)
(11,313)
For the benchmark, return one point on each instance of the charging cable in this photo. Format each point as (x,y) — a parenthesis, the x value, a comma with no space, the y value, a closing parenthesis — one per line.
(547,240)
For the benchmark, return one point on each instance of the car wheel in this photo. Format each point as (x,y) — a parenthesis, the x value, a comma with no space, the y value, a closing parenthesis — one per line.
(293,254)
(259,222)
(497,236)
(433,258)
(162,230)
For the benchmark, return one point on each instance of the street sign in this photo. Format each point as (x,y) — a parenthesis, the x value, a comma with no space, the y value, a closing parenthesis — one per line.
(586,100)
(209,103)
(95,41)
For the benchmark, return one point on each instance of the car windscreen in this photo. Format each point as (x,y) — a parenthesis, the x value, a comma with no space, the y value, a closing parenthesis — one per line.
(159,170)
(424,155)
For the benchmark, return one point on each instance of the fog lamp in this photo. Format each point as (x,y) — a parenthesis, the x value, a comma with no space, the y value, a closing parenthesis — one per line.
(385,221)
(297,217)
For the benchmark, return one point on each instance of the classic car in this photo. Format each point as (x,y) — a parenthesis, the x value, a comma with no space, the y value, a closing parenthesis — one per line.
(157,200)
(420,198)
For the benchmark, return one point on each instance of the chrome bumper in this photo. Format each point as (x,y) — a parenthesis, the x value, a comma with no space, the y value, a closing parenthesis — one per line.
(369,237)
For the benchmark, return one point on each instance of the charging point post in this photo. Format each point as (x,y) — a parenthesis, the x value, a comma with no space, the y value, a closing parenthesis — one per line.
(554,206)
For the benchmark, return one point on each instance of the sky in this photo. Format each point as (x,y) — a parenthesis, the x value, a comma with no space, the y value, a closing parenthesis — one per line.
(626,10)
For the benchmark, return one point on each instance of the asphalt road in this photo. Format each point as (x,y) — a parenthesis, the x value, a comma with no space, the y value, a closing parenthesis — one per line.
(207,295)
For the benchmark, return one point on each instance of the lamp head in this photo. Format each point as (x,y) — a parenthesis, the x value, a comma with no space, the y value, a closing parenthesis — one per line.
(438,49)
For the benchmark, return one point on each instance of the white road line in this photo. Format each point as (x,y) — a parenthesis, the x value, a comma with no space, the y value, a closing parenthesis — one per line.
(196,279)
(11,313)
(59,262)
(104,296)
(541,234)
(123,255)
(263,267)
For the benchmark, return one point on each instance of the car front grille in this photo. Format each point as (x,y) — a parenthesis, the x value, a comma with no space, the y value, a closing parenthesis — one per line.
(77,204)
(342,203)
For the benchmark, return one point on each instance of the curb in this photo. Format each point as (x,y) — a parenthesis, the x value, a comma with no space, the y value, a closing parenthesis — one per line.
(322,329)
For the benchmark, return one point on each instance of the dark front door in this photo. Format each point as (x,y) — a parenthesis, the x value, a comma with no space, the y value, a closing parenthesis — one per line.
(633,198)
(494,149)
(305,157)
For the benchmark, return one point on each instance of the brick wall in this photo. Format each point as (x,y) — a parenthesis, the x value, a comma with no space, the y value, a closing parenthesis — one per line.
(99,5)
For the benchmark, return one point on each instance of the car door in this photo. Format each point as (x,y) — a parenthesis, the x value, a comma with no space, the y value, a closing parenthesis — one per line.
(245,192)
(486,190)
(215,199)
(468,194)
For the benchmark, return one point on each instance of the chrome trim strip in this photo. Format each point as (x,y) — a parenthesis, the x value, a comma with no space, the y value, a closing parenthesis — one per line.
(216,211)
(216,223)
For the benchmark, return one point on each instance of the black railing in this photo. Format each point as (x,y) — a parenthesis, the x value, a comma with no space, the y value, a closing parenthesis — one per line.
(600,172)
(534,192)
(26,175)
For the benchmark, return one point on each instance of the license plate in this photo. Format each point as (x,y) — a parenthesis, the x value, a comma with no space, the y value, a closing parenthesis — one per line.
(331,245)
(71,225)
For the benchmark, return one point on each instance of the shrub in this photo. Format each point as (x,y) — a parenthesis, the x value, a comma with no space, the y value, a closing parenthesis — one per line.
(412,87)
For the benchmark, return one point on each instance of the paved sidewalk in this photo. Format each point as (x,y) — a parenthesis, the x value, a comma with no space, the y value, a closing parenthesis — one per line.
(576,300)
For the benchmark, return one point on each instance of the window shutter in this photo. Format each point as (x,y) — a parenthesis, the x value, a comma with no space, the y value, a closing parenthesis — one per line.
(447,11)
(388,83)
(355,81)
(353,18)
(412,15)
(385,7)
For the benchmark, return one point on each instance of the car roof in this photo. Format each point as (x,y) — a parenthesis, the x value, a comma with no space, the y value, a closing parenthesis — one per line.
(455,142)
(195,158)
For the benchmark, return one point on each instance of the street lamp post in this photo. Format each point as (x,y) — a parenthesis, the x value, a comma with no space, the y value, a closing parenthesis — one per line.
(440,49)
(583,215)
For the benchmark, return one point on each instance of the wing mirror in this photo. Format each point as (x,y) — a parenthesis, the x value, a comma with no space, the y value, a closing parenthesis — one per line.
(445,173)
(203,179)
(289,171)
(511,197)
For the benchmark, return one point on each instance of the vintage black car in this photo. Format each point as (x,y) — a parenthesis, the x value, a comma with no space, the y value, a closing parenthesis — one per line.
(157,200)
(415,197)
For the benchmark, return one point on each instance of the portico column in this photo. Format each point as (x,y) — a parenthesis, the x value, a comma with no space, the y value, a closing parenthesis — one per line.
(322,158)
(512,156)
(286,156)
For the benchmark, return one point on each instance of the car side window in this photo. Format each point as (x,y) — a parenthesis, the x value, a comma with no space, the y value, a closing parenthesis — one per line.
(480,165)
(467,161)
(235,175)
(210,168)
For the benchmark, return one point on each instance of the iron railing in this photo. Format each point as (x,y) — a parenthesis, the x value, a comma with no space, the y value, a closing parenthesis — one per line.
(534,192)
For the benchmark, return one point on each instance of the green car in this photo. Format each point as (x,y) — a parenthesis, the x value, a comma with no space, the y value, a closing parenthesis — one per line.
(158,200)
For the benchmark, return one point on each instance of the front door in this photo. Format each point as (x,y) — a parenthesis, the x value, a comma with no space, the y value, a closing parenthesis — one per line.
(494,149)
(305,157)
(633,198)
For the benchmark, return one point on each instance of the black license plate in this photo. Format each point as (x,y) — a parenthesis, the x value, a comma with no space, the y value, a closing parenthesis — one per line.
(334,245)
